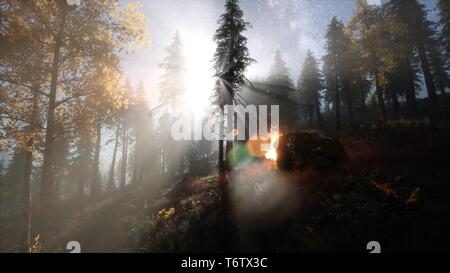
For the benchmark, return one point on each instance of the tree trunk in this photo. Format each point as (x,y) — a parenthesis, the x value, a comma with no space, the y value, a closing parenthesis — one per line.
(429,82)
(136,170)
(27,173)
(350,107)
(123,174)
(47,180)
(442,89)
(363,97)
(311,115)
(228,142)
(395,103)
(221,163)
(337,104)
(27,196)
(319,115)
(47,173)
(111,182)
(380,98)
(95,180)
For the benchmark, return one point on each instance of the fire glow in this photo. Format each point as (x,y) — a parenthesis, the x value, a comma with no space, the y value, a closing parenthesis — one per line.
(271,154)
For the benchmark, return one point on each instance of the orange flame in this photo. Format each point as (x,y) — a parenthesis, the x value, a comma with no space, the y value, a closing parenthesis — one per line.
(271,154)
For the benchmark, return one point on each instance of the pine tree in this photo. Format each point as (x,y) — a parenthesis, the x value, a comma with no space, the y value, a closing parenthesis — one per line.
(444,13)
(142,130)
(279,73)
(403,79)
(420,33)
(352,73)
(172,89)
(332,64)
(310,85)
(370,28)
(438,67)
(231,60)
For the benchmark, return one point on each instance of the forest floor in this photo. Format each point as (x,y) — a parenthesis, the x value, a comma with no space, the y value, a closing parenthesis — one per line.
(394,188)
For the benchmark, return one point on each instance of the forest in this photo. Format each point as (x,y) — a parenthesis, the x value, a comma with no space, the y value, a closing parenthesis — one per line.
(89,161)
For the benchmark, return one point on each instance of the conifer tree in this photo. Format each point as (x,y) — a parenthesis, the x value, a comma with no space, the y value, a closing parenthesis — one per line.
(419,30)
(310,85)
(279,73)
(172,90)
(444,22)
(231,60)
(332,64)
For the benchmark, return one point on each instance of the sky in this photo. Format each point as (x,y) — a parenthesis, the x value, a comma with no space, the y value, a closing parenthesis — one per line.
(292,26)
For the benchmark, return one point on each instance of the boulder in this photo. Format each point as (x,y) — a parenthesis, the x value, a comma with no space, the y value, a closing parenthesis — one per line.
(311,149)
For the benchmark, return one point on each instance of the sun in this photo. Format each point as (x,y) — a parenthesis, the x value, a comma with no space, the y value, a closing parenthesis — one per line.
(199,51)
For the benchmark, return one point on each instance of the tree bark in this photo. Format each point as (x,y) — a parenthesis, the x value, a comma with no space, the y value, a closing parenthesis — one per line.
(319,115)
(47,181)
(337,103)
(228,142)
(27,196)
(442,89)
(395,103)
(380,98)
(136,161)
(221,163)
(47,173)
(95,180)
(123,174)
(350,107)
(363,102)
(111,182)
(27,173)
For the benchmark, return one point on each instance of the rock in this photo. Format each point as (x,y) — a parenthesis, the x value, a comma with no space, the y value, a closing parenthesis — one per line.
(309,149)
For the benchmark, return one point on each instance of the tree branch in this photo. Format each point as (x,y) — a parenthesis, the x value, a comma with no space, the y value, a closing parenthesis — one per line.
(64,100)
(22,120)
(25,85)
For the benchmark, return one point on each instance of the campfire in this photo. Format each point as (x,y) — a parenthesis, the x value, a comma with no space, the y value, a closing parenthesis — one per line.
(271,154)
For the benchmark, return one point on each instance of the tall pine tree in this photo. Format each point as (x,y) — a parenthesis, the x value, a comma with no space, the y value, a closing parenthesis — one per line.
(332,64)
(444,21)
(279,73)
(231,60)
(172,89)
(421,34)
(310,85)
